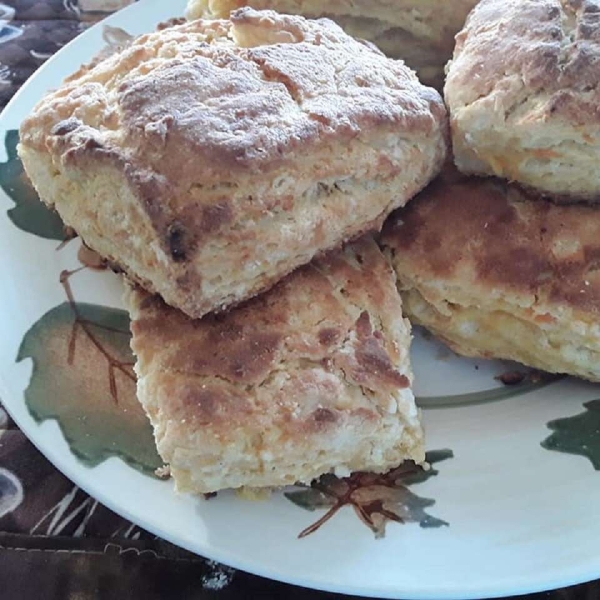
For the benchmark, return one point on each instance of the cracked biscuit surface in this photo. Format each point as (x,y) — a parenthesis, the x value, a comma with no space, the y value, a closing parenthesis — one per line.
(211,158)
(496,275)
(421,32)
(523,91)
(309,378)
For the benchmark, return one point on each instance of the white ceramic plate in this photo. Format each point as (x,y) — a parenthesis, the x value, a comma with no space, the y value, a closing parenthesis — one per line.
(519,517)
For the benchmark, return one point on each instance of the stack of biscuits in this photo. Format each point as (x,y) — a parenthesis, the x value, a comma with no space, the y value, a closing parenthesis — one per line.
(238,168)
(235,170)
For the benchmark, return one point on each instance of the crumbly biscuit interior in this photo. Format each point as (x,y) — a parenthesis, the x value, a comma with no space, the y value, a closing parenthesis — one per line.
(501,329)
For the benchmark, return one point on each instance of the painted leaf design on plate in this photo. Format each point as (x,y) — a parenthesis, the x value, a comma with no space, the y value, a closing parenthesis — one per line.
(376,499)
(83,377)
(578,435)
(29,213)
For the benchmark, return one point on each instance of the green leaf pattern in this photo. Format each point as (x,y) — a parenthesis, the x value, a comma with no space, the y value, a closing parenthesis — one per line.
(82,377)
(579,435)
(29,213)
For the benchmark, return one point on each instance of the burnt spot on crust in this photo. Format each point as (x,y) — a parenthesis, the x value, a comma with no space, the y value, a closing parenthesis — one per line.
(324,415)
(65,127)
(553,13)
(521,265)
(87,145)
(363,325)
(495,234)
(403,234)
(458,221)
(373,358)
(328,336)
(177,241)
(207,404)
(115,267)
(92,144)
(244,358)
(374,364)
(251,356)
(150,302)
(202,404)
(405,226)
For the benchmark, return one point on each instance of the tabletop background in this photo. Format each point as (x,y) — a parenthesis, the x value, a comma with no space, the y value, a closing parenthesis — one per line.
(55,541)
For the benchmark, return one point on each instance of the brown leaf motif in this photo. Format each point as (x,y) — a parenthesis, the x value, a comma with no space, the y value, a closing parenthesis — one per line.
(376,499)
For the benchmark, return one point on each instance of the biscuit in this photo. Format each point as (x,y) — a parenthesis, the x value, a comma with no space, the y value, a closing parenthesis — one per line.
(209,159)
(495,275)
(310,378)
(524,97)
(419,31)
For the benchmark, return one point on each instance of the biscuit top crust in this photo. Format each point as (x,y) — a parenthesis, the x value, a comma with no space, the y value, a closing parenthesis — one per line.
(531,59)
(424,16)
(196,101)
(489,239)
(337,319)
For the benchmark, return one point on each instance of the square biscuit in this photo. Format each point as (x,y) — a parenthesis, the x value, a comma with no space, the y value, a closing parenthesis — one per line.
(523,94)
(309,378)
(496,274)
(209,159)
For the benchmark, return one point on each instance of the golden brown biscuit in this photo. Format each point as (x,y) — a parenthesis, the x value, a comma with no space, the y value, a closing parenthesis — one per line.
(419,31)
(524,95)
(496,275)
(211,158)
(311,377)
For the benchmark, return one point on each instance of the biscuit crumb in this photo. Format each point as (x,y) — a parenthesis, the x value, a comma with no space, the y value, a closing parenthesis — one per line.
(511,378)
(163,472)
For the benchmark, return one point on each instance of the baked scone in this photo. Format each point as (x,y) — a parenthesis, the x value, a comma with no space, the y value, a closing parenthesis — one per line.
(419,31)
(524,97)
(211,158)
(496,275)
(309,378)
